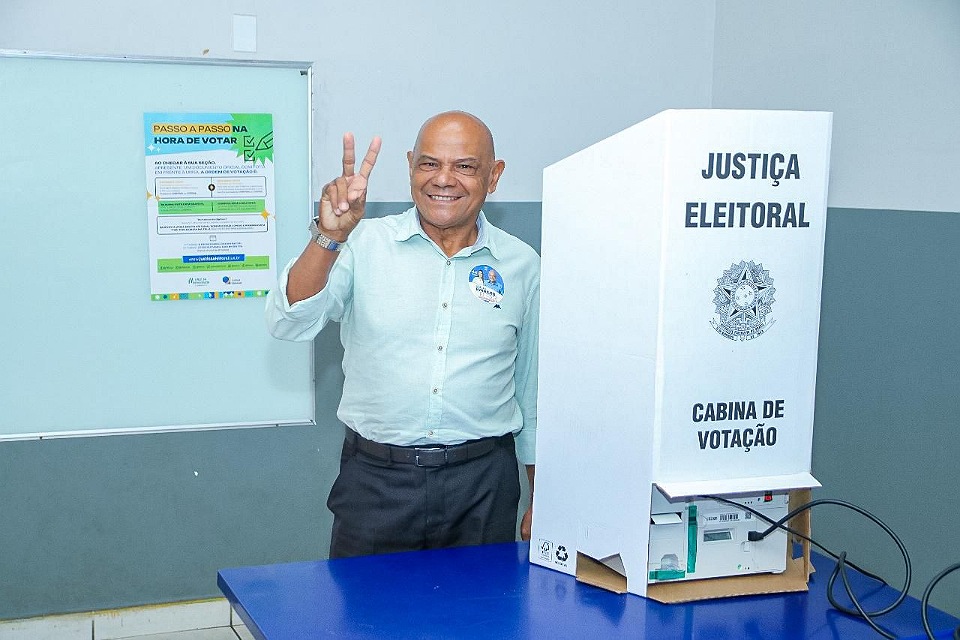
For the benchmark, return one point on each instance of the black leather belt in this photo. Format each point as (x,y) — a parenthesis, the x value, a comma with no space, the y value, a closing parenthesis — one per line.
(426,456)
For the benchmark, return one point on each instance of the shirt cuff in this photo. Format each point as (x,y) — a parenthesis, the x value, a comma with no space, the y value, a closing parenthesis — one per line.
(305,309)
(526,441)
(302,320)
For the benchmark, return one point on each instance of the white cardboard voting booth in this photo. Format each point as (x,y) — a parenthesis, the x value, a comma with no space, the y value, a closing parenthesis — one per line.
(680,308)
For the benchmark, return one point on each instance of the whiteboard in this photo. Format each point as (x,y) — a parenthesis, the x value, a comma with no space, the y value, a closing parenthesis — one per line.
(83,348)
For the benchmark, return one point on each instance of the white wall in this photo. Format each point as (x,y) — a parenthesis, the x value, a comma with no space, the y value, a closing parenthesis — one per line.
(888,69)
(549,77)
(553,77)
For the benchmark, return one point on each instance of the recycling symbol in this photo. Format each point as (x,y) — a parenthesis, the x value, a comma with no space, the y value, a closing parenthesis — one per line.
(562,554)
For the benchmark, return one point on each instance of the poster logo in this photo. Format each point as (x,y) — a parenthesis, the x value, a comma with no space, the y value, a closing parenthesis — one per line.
(743,298)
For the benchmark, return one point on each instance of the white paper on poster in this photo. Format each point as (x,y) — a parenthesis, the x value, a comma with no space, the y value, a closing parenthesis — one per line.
(211,205)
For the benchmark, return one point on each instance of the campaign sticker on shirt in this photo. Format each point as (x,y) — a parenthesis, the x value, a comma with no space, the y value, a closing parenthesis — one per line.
(486,284)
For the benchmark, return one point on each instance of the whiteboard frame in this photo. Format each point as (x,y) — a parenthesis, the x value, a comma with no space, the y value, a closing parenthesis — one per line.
(306,69)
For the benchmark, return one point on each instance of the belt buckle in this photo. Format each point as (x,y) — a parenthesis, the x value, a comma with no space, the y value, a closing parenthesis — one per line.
(426,450)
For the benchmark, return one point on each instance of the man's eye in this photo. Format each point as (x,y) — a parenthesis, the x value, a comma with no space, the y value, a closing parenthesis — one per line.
(428,166)
(467,169)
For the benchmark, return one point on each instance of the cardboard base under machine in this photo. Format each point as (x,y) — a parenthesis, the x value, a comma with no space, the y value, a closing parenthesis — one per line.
(794,578)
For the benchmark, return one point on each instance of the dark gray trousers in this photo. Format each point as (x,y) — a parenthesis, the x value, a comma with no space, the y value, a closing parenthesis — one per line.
(385,507)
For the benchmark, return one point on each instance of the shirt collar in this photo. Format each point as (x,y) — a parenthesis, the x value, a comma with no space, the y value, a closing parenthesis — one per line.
(410,226)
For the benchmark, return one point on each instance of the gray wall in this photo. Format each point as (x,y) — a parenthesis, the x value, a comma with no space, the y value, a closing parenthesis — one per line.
(98,523)
(108,522)
(888,408)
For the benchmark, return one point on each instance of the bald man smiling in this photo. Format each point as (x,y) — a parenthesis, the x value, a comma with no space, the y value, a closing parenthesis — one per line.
(439,319)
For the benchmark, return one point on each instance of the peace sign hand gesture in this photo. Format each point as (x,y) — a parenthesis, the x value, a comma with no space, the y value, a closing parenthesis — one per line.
(344,199)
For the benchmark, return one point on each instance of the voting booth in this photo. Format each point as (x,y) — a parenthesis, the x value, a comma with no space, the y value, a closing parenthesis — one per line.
(680,308)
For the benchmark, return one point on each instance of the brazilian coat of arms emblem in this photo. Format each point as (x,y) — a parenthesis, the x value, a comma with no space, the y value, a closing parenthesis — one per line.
(744,301)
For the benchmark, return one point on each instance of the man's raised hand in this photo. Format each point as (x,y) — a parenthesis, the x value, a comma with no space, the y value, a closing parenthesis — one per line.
(344,199)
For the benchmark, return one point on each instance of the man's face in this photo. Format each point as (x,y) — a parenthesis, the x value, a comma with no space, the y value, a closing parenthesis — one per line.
(452,169)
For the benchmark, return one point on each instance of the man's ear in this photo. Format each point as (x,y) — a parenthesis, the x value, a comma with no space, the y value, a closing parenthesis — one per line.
(495,174)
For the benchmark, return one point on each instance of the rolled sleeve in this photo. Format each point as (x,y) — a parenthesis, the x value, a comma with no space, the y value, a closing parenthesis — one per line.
(303,320)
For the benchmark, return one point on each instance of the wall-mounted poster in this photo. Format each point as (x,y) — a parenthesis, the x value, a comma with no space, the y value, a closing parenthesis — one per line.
(210,205)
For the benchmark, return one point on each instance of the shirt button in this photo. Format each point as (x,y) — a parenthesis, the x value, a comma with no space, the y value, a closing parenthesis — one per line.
(430,433)
(440,347)
(435,390)
(448,263)
(445,305)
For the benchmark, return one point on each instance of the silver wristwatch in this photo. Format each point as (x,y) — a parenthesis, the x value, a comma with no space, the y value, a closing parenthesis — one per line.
(324,241)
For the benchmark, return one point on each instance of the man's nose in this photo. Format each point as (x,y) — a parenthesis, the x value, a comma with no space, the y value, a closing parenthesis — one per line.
(444,176)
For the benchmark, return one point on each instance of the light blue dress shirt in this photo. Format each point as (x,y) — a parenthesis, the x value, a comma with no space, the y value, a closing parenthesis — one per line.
(437,350)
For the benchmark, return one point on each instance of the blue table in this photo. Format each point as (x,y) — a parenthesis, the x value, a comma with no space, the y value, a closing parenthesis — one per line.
(494,592)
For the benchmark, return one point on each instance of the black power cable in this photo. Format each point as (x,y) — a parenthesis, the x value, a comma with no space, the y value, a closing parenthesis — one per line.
(925,601)
(840,569)
(754,536)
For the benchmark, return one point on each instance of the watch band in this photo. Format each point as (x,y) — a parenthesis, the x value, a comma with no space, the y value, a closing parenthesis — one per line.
(324,241)
(328,243)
